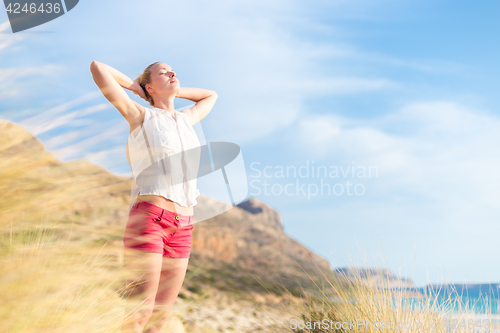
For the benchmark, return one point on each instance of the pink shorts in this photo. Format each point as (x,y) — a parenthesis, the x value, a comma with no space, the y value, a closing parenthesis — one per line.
(153,229)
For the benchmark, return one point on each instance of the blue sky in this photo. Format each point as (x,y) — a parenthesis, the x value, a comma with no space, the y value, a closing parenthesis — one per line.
(407,88)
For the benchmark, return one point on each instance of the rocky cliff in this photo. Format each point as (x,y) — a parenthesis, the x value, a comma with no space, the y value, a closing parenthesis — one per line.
(250,239)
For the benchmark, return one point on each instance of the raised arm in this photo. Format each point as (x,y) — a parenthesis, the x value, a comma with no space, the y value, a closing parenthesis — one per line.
(111,82)
(205,100)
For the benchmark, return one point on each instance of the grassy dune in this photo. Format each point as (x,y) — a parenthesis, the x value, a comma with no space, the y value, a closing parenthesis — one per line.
(50,284)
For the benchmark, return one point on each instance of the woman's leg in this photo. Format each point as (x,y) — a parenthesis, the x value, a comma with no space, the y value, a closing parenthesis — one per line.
(172,276)
(143,271)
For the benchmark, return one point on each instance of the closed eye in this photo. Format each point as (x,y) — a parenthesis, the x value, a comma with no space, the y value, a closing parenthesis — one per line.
(166,72)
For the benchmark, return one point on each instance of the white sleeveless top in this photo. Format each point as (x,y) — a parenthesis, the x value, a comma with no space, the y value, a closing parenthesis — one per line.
(164,156)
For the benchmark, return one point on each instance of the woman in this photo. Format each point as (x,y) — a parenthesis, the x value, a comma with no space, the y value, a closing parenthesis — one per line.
(158,234)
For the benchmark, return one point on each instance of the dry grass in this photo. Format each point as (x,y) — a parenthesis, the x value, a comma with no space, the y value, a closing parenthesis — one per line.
(54,277)
(50,285)
(369,303)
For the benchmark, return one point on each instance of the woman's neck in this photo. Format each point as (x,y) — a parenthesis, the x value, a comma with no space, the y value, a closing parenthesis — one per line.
(167,105)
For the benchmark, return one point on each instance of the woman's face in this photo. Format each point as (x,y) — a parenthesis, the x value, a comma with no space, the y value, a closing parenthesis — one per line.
(163,80)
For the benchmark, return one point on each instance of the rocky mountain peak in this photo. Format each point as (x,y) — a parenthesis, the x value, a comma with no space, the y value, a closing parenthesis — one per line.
(268,215)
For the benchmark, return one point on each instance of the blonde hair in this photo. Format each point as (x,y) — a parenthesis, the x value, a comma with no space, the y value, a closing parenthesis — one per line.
(145,78)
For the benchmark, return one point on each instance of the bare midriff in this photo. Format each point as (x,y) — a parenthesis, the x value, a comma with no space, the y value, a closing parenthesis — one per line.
(166,204)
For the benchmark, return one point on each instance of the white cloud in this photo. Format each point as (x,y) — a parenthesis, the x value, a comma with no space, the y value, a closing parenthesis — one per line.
(336,51)
(12,78)
(13,74)
(51,123)
(9,92)
(349,85)
(4,26)
(8,40)
(111,158)
(316,131)
(54,112)
(441,151)
(97,135)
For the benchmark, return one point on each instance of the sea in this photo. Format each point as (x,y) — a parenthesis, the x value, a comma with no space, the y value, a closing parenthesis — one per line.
(465,307)
(470,298)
